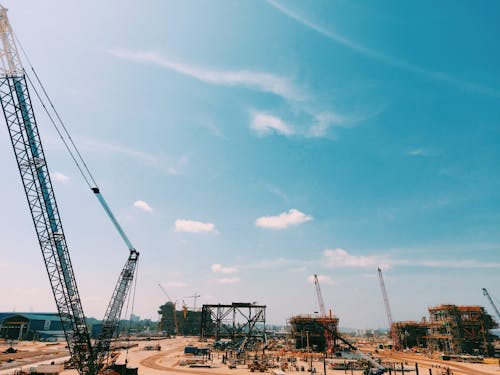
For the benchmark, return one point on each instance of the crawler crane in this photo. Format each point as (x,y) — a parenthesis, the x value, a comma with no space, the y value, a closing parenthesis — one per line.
(25,138)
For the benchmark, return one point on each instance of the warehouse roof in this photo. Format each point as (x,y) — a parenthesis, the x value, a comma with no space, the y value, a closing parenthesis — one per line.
(30,316)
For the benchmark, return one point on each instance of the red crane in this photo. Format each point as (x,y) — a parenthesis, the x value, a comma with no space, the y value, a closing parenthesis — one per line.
(322,311)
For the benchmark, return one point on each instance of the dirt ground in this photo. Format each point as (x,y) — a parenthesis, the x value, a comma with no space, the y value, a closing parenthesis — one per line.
(171,357)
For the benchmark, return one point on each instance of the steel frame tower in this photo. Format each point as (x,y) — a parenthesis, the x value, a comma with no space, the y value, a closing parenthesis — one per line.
(221,321)
(26,142)
(30,157)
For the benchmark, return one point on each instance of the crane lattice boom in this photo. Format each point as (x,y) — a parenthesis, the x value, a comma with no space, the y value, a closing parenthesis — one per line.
(30,157)
(387,309)
(25,138)
(485,292)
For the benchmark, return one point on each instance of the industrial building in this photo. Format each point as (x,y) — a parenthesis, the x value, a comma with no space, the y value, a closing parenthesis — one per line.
(410,334)
(309,331)
(460,330)
(30,326)
(450,329)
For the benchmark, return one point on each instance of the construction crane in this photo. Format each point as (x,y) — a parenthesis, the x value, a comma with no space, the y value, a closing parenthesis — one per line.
(174,303)
(195,296)
(322,312)
(25,138)
(485,292)
(392,331)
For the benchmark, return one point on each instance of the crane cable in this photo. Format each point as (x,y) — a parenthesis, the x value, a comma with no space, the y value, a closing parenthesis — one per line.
(71,147)
(74,152)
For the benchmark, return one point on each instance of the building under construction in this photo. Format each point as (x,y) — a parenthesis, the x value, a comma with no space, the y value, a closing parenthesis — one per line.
(309,332)
(460,330)
(410,334)
(450,329)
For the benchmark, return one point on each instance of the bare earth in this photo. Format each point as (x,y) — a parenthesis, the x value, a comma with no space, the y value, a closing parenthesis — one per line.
(169,360)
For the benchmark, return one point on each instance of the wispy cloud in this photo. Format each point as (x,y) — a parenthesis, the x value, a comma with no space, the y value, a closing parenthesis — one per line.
(342,258)
(422,152)
(466,263)
(260,81)
(265,124)
(283,220)
(59,177)
(175,284)
(212,128)
(228,280)
(323,279)
(169,165)
(277,192)
(193,226)
(382,57)
(218,268)
(143,206)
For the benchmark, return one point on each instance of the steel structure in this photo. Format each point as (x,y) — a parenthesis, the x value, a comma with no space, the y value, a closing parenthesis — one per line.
(485,292)
(328,336)
(393,332)
(25,138)
(238,320)
(174,310)
(460,330)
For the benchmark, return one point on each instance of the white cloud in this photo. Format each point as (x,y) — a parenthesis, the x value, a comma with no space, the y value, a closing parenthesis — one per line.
(260,81)
(192,226)
(167,164)
(59,177)
(323,279)
(228,280)
(175,284)
(422,152)
(466,263)
(218,268)
(143,206)
(382,57)
(283,220)
(263,124)
(341,258)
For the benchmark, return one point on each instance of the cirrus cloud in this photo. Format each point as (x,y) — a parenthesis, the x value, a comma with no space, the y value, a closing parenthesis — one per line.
(341,258)
(283,220)
(264,124)
(218,268)
(193,226)
(323,279)
(228,280)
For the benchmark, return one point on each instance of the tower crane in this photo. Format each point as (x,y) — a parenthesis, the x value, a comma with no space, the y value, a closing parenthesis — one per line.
(485,292)
(174,303)
(392,331)
(322,311)
(32,164)
(195,297)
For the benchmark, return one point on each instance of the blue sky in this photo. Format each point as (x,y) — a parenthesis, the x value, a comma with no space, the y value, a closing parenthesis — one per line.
(246,145)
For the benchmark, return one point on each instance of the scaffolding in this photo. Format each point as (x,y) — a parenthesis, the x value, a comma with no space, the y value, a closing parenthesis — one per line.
(309,331)
(460,330)
(410,333)
(238,320)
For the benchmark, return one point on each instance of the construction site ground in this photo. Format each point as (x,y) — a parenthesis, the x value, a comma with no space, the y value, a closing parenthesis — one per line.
(171,357)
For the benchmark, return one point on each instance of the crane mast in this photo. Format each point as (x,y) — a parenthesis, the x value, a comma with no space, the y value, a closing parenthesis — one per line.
(485,292)
(387,309)
(31,161)
(26,142)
